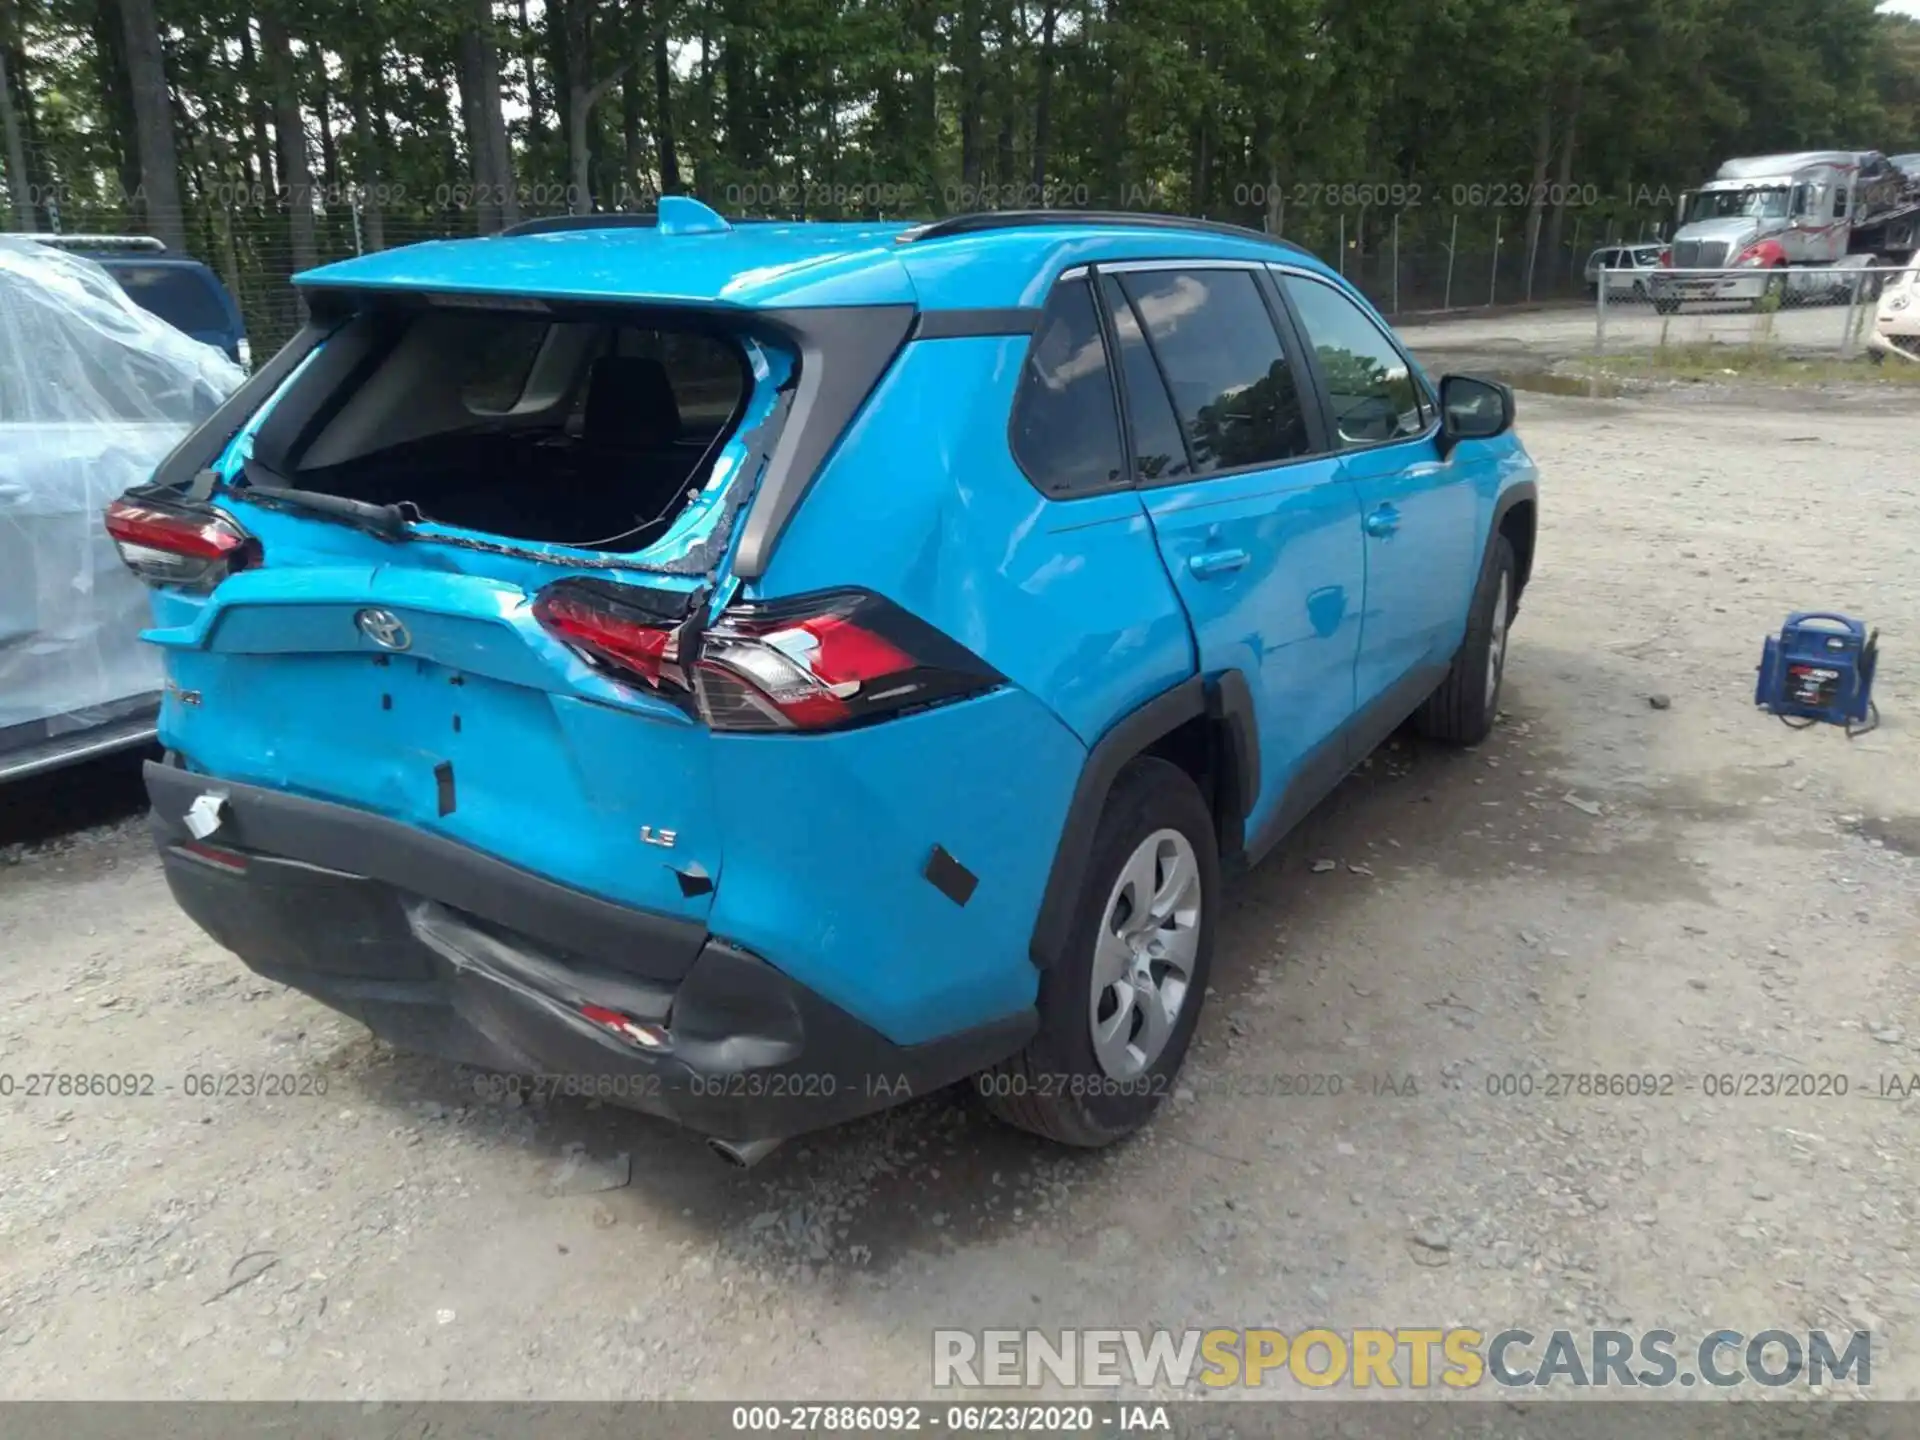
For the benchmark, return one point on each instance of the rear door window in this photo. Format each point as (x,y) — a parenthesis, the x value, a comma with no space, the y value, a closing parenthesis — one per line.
(1234,392)
(1065,431)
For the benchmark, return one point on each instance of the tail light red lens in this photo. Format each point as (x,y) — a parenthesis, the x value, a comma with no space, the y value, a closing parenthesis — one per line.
(599,629)
(1666,258)
(821,662)
(178,543)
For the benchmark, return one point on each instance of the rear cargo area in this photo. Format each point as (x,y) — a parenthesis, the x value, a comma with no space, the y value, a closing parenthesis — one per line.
(588,433)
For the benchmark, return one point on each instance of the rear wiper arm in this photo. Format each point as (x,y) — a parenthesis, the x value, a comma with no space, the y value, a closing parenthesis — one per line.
(387,521)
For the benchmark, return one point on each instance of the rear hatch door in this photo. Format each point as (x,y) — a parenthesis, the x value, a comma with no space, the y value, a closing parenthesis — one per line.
(404,673)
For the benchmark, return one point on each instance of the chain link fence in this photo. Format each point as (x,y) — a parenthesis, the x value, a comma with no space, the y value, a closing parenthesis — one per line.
(246,234)
(1828,312)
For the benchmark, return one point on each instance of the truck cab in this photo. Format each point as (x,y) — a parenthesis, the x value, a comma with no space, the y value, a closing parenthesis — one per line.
(1763,213)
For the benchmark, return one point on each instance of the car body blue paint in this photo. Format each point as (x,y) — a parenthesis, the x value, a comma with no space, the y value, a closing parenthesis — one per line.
(753,267)
(773,266)
(827,837)
(815,845)
(1289,619)
(1068,599)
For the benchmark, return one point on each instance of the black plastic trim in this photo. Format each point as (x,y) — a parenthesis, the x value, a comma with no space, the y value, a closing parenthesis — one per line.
(949,876)
(979,221)
(1520,492)
(1302,359)
(743,1051)
(339,837)
(555,224)
(1230,706)
(1126,739)
(844,351)
(1445,442)
(615,220)
(1329,762)
(970,324)
(202,445)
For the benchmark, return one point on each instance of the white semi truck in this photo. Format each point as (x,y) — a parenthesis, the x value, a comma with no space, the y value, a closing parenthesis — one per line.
(1789,221)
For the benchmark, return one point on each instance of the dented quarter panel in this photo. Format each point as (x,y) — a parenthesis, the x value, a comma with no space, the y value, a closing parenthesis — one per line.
(828,835)
(1068,599)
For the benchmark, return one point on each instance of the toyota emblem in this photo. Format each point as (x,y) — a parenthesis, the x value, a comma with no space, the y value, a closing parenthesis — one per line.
(384,628)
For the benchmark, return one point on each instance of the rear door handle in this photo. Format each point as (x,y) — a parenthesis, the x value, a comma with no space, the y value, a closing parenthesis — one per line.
(1216,562)
(1383,522)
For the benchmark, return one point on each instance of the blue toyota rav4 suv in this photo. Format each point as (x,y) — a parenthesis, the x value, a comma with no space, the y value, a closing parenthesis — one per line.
(760,671)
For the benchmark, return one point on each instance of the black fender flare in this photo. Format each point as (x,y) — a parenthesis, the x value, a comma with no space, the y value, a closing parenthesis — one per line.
(1521,492)
(1225,700)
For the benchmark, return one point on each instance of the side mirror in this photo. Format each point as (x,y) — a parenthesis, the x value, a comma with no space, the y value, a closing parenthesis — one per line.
(1473,409)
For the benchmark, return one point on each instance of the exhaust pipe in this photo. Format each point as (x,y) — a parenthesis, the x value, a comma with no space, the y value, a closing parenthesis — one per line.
(743,1154)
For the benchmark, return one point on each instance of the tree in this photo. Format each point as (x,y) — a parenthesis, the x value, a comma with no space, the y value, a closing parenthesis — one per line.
(290,129)
(19,185)
(153,124)
(583,94)
(495,189)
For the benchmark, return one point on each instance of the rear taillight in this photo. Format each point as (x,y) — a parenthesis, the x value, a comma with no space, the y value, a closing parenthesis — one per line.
(1666,258)
(822,662)
(612,635)
(169,542)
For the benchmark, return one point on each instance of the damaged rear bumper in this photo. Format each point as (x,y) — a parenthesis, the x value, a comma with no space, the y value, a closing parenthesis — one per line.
(439,948)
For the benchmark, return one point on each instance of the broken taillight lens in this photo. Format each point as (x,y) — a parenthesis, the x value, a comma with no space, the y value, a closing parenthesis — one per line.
(820,662)
(604,631)
(178,543)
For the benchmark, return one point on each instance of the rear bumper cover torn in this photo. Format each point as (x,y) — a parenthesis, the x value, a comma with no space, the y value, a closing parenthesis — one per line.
(441,949)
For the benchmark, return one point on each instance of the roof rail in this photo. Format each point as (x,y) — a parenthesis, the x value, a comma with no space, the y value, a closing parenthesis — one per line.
(978,221)
(90,242)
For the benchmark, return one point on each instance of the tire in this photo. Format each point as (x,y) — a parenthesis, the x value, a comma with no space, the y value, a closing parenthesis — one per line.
(1639,292)
(1461,711)
(1060,1086)
(1774,289)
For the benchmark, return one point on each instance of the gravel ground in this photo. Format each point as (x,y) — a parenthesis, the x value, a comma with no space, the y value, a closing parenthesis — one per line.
(1610,884)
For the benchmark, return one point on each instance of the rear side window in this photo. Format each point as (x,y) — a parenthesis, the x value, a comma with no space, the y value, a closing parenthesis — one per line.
(1065,433)
(1233,390)
(1372,389)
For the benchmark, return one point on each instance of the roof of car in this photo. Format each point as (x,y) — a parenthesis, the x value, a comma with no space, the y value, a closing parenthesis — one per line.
(769,265)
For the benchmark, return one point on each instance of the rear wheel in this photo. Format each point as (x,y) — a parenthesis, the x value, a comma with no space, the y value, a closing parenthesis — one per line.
(1118,1008)
(1461,711)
